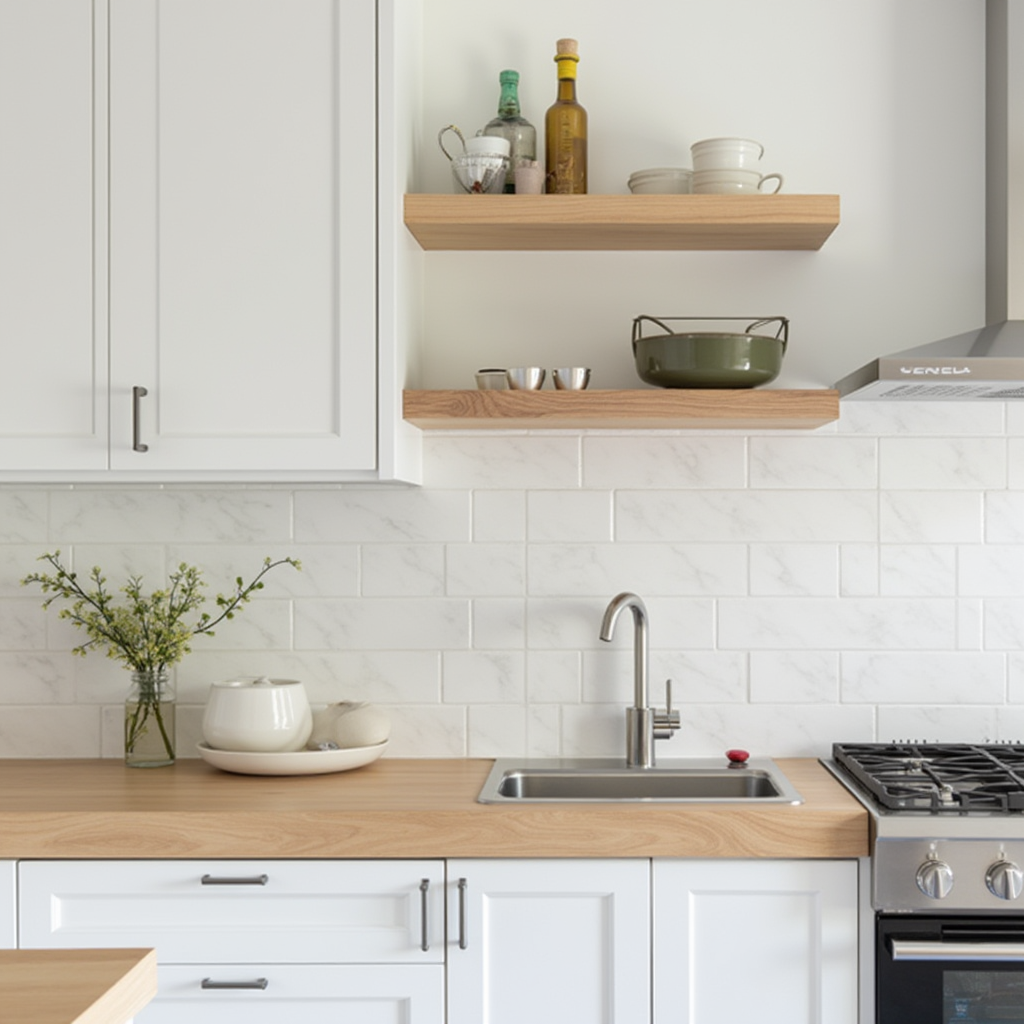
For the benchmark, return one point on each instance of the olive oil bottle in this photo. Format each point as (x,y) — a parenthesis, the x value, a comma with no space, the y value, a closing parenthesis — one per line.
(565,129)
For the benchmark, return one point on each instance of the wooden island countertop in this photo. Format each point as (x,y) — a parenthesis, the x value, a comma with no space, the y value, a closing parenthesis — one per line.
(75,986)
(394,807)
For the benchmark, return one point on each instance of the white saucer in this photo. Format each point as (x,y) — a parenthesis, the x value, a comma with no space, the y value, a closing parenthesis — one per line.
(298,762)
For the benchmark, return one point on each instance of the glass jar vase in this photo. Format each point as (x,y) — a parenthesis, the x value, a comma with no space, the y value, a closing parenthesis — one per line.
(149,720)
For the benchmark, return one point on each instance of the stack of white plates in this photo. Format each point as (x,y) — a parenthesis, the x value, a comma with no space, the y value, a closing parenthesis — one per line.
(661,181)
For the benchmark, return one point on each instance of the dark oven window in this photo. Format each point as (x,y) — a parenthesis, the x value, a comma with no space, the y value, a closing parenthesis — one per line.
(949,970)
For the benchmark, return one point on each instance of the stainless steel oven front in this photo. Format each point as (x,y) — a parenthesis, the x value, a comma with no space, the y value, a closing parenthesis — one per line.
(949,970)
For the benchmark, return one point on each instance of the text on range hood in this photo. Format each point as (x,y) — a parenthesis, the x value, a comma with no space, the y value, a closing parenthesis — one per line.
(986,363)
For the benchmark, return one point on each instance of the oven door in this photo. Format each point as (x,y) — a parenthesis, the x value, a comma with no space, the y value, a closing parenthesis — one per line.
(949,970)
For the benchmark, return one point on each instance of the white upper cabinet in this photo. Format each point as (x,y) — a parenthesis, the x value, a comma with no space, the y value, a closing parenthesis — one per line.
(242,221)
(190,276)
(53,410)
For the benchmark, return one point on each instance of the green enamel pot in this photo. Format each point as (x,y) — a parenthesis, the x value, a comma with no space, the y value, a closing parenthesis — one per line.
(708,359)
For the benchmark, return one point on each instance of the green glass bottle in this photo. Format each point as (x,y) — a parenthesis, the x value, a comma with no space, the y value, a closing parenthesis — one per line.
(511,125)
(565,129)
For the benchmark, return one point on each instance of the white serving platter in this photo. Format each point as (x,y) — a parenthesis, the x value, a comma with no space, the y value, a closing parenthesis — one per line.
(299,762)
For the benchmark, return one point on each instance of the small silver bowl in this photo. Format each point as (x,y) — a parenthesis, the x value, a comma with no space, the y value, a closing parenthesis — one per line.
(571,378)
(525,378)
(490,379)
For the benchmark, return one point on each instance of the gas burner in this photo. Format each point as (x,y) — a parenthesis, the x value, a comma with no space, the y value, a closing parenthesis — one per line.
(955,778)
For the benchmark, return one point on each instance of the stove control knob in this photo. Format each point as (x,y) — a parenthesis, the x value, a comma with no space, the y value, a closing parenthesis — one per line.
(935,879)
(1005,880)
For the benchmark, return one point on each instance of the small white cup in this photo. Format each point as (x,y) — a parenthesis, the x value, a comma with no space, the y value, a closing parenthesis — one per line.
(529,177)
(731,153)
(726,182)
(263,715)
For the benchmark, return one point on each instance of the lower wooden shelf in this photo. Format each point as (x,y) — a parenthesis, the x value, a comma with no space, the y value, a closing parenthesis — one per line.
(648,409)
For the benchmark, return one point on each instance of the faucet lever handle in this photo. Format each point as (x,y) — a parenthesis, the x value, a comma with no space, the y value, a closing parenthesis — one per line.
(666,721)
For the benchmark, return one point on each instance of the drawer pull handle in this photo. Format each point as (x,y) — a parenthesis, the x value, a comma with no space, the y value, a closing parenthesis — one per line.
(424,936)
(234,880)
(260,983)
(463,944)
(138,393)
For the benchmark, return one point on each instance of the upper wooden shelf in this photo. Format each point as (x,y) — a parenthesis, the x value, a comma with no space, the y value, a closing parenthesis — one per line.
(666,408)
(620,222)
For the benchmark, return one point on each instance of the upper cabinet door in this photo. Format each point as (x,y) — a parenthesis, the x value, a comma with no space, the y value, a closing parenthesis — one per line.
(53,401)
(242,235)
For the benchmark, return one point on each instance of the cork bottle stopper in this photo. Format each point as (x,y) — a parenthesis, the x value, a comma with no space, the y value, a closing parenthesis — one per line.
(567,48)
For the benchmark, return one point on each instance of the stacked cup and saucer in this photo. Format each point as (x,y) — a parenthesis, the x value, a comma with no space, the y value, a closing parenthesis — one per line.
(731,166)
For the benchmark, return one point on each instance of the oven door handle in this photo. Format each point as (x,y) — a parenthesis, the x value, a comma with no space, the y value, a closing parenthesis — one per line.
(903,949)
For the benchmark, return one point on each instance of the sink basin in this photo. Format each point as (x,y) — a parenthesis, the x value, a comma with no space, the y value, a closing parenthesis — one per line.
(607,780)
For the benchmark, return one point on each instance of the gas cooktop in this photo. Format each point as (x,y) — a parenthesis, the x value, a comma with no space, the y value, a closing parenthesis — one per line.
(937,778)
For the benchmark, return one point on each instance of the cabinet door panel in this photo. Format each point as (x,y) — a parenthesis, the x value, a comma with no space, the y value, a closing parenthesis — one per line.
(367,994)
(771,941)
(549,942)
(305,912)
(243,266)
(53,396)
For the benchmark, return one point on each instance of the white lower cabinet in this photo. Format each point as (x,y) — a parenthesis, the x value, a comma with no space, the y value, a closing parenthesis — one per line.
(759,940)
(548,941)
(8,904)
(247,942)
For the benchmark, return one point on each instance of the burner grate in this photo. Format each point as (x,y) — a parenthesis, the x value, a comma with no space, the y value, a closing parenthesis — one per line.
(955,778)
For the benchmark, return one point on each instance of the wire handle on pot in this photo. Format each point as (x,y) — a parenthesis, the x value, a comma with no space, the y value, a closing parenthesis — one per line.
(782,333)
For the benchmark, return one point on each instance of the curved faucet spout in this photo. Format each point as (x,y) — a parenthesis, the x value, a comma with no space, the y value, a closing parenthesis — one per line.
(636,605)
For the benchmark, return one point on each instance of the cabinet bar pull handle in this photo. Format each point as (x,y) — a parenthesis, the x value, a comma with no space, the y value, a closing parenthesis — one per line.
(259,983)
(424,936)
(138,393)
(463,944)
(230,880)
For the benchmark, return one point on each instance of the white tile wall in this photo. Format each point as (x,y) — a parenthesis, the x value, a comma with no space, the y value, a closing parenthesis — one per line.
(865,581)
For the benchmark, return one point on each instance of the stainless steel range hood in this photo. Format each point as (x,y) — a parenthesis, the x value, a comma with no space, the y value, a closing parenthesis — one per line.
(986,363)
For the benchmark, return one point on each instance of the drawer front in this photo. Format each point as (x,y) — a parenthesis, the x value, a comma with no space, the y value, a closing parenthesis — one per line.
(239,911)
(275,994)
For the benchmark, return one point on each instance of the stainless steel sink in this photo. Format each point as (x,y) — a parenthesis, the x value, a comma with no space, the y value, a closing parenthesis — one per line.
(607,780)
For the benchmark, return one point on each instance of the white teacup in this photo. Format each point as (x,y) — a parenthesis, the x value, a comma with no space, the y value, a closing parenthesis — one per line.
(734,154)
(262,715)
(726,182)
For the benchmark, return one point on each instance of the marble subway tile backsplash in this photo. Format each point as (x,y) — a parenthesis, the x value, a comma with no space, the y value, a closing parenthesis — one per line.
(860,582)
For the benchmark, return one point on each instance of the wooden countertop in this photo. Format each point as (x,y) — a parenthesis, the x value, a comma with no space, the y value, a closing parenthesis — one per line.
(392,808)
(75,986)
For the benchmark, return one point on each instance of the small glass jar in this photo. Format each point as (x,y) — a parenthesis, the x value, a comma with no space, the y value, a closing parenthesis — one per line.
(149,720)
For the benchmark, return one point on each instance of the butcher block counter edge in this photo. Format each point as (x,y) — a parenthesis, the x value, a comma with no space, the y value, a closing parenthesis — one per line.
(394,807)
(76,986)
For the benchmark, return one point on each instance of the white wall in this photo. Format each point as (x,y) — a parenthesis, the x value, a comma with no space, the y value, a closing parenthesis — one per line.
(880,101)
(858,582)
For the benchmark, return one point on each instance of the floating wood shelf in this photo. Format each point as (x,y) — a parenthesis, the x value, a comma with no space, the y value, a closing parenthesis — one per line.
(621,222)
(634,409)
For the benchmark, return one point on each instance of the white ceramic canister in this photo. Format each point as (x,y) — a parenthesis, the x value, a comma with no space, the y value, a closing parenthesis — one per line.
(260,715)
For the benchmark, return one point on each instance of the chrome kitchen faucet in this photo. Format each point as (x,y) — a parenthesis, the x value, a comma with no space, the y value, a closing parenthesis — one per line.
(644,724)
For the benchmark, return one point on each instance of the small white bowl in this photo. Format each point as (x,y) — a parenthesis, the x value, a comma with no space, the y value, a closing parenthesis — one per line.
(661,181)
(257,715)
